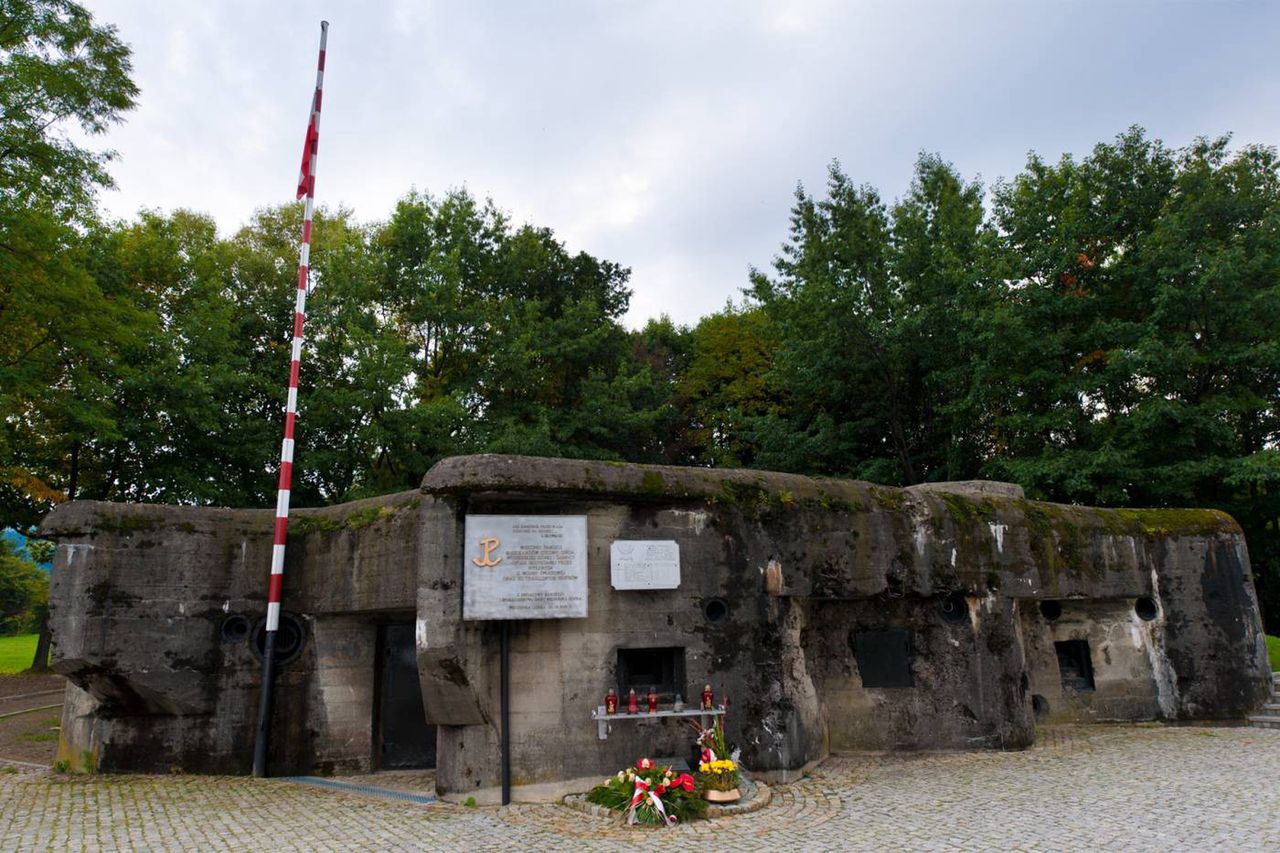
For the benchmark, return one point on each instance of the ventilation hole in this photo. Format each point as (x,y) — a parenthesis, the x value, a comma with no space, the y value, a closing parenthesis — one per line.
(289,638)
(716,610)
(235,629)
(1039,705)
(954,609)
(1051,610)
(1146,609)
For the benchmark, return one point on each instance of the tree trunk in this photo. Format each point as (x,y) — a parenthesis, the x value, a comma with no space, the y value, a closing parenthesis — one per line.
(41,661)
(75,470)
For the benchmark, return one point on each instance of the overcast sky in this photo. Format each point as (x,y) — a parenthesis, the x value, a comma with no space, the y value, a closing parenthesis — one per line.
(666,136)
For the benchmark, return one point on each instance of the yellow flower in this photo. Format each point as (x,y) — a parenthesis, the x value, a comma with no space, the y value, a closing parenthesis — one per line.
(723,765)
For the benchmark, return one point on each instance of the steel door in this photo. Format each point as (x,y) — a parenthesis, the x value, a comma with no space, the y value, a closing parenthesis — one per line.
(406,740)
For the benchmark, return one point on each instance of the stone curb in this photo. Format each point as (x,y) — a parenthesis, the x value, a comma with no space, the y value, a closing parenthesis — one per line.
(757,796)
(761,797)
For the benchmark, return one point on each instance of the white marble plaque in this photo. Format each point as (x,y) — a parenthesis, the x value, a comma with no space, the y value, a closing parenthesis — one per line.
(525,567)
(645,564)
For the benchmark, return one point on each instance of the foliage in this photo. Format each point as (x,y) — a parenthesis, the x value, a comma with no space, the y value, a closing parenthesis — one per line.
(24,590)
(723,388)
(60,70)
(1098,329)
(876,311)
(1106,335)
(186,405)
(63,79)
(1273,652)
(40,550)
(648,780)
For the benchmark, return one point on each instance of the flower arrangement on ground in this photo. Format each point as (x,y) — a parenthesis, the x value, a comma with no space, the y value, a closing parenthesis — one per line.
(718,768)
(650,794)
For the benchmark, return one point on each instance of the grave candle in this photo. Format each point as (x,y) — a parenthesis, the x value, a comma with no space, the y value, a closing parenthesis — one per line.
(653,701)
(633,704)
(707,698)
(611,702)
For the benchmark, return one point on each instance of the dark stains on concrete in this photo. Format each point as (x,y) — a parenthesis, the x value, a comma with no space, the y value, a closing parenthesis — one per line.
(140,592)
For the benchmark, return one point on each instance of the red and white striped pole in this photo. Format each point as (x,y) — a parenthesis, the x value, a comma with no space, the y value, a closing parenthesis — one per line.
(307,188)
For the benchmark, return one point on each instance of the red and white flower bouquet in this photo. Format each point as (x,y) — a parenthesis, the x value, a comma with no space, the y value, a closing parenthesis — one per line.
(650,794)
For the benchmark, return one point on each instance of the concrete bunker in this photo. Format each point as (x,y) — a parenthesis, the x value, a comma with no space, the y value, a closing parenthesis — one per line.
(835,615)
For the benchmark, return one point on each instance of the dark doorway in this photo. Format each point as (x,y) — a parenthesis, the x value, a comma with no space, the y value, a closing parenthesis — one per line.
(884,657)
(405,740)
(1075,665)
(659,670)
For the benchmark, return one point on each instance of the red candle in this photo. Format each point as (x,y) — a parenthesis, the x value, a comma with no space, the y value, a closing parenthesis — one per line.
(633,704)
(707,698)
(611,702)
(653,701)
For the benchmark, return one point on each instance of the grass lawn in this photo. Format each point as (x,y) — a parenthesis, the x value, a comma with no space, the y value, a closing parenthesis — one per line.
(1273,652)
(16,652)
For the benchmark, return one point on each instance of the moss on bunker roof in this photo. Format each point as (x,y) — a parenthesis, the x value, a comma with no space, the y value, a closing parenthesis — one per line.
(752,490)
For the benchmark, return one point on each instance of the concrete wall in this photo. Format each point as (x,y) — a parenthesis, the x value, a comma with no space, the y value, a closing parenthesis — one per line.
(967,689)
(140,596)
(853,557)
(139,599)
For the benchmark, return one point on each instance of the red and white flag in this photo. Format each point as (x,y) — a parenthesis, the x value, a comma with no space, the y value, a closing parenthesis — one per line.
(307,175)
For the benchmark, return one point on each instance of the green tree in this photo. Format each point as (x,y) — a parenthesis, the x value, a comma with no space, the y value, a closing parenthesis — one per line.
(724,389)
(62,78)
(1138,363)
(841,398)
(878,315)
(1063,372)
(941,261)
(59,69)
(24,590)
(515,342)
(659,354)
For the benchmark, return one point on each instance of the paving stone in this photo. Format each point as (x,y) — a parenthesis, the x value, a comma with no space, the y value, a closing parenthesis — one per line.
(1131,787)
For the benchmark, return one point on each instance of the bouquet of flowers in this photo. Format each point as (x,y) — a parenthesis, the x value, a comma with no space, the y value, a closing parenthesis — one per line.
(649,794)
(718,769)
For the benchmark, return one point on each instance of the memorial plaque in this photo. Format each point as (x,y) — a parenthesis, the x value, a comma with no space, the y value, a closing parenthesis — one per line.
(525,567)
(645,564)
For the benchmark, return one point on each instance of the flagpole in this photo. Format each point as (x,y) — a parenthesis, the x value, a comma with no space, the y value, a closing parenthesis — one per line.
(307,187)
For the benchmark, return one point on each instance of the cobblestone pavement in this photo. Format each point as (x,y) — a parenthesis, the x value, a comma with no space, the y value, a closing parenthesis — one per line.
(1131,787)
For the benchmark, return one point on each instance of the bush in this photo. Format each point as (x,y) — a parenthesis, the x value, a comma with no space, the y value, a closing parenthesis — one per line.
(24,592)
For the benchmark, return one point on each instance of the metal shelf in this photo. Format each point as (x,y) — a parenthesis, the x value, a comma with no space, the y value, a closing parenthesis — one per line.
(602,719)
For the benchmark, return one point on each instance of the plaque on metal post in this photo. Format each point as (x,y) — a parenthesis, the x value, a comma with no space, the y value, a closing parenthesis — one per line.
(645,564)
(525,567)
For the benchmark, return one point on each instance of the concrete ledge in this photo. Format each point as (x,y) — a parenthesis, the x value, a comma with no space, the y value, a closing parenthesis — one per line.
(974,488)
(582,478)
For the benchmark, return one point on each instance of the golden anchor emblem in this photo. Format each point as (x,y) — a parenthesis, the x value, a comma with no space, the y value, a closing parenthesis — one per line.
(488,545)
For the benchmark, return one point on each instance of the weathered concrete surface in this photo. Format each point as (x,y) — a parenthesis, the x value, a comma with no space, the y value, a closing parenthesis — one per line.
(856,556)
(141,594)
(139,598)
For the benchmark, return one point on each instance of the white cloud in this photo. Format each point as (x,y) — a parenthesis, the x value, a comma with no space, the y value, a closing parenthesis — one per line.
(665,136)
